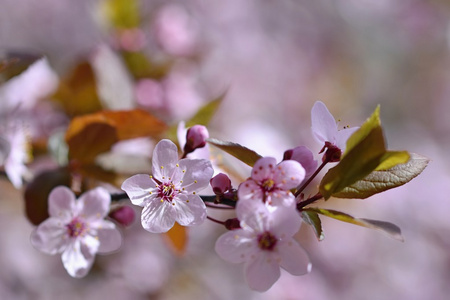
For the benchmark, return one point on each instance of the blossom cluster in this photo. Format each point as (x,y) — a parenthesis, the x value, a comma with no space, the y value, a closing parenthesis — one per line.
(269,205)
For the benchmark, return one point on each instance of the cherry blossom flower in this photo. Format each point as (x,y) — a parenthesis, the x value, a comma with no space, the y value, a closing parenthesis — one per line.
(271,183)
(264,243)
(325,128)
(77,229)
(170,194)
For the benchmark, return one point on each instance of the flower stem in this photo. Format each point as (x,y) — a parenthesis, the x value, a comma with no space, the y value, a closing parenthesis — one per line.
(224,201)
(216,221)
(304,185)
(308,201)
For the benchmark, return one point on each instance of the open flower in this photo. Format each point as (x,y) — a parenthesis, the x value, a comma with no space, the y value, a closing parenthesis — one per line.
(77,229)
(271,183)
(170,194)
(264,244)
(325,128)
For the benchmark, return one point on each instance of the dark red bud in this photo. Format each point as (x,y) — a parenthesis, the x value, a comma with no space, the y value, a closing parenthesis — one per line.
(124,215)
(232,224)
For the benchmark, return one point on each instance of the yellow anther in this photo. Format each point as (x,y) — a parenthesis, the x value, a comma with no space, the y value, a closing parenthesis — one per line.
(177,165)
(195,181)
(162,167)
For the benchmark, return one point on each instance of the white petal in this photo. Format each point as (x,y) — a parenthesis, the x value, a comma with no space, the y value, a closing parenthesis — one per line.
(253,214)
(197,175)
(138,187)
(281,198)
(190,210)
(158,217)
(110,239)
(165,157)
(77,260)
(61,203)
(294,258)
(249,189)
(262,272)
(236,246)
(50,236)
(285,222)
(95,204)
(324,125)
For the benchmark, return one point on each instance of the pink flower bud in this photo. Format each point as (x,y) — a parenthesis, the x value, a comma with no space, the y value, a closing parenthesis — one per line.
(304,156)
(124,215)
(220,184)
(195,138)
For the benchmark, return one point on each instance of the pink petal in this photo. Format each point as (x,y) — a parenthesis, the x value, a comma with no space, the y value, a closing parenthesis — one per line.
(294,258)
(158,217)
(190,210)
(263,168)
(289,174)
(342,137)
(61,203)
(281,198)
(197,175)
(236,246)
(324,125)
(77,260)
(138,187)
(285,222)
(252,214)
(250,190)
(165,157)
(95,204)
(50,236)
(262,272)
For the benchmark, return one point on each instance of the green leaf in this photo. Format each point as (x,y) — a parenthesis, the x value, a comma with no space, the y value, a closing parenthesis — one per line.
(390,229)
(205,114)
(122,13)
(379,181)
(240,152)
(312,218)
(366,152)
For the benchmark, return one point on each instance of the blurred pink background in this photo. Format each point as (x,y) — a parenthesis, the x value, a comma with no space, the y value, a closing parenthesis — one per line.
(275,59)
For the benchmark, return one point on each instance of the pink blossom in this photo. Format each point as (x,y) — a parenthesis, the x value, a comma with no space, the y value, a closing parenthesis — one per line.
(264,244)
(77,229)
(271,183)
(170,194)
(325,128)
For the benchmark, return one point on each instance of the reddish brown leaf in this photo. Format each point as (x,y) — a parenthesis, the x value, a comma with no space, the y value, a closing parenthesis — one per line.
(177,239)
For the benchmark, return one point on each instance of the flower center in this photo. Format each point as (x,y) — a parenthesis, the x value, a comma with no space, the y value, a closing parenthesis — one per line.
(76,228)
(167,191)
(267,241)
(268,185)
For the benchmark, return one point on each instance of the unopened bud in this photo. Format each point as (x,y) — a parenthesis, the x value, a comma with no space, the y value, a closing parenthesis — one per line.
(220,184)
(332,154)
(124,215)
(232,224)
(195,138)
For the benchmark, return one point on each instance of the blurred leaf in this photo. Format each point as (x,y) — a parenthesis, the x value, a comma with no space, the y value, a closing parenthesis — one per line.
(365,153)
(240,152)
(77,93)
(122,13)
(379,181)
(177,239)
(37,191)
(141,66)
(13,63)
(388,228)
(90,135)
(205,113)
(312,218)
